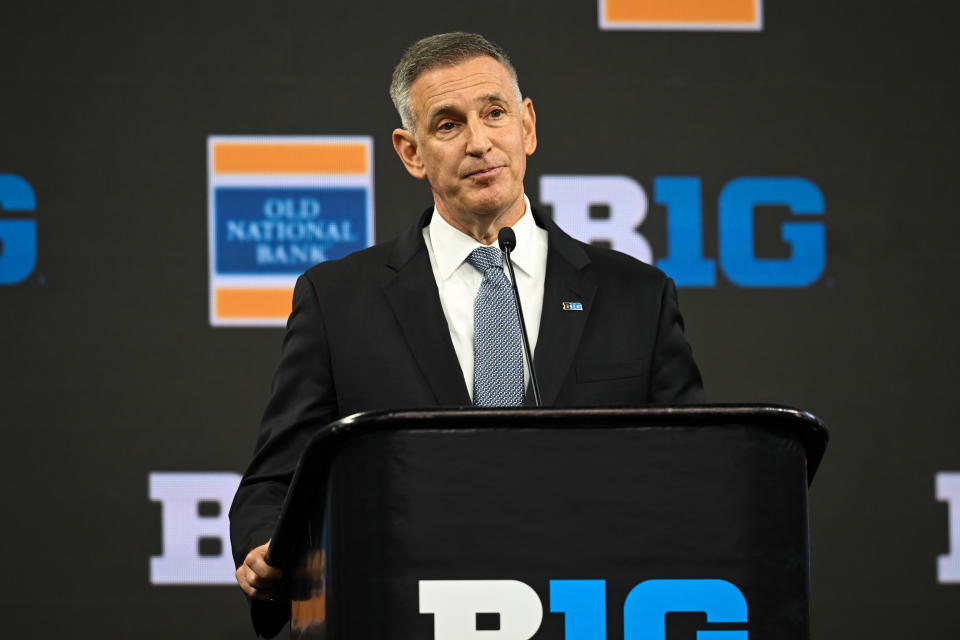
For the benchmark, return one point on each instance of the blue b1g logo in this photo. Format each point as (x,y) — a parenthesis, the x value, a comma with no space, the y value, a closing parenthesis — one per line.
(685,260)
(18,237)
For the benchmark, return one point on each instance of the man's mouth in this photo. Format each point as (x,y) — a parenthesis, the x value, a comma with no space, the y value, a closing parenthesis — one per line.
(482,173)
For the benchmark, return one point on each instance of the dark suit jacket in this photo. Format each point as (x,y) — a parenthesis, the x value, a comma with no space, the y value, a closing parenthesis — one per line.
(368,332)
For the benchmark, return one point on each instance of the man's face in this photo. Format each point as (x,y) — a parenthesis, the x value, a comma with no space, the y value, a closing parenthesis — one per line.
(472,138)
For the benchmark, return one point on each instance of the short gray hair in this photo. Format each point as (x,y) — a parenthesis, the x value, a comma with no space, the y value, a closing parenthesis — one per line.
(441,50)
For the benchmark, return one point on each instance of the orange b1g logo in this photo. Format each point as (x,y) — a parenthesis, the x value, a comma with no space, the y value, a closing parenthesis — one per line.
(681,15)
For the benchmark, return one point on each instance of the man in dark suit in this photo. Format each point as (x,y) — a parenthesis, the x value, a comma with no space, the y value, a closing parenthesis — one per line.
(394,326)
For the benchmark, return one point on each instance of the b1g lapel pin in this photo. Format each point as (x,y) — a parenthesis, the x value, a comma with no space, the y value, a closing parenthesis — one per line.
(572,306)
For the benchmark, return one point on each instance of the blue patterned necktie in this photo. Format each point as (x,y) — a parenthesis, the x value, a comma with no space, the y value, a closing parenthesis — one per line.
(497,349)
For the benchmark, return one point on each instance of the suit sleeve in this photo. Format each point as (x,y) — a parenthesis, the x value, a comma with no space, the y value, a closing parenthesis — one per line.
(675,378)
(302,400)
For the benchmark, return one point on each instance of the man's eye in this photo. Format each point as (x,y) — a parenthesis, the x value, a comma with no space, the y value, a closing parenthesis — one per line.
(446,126)
(496,113)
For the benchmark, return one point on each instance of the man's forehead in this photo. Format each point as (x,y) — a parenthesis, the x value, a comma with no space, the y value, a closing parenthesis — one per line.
(478,78)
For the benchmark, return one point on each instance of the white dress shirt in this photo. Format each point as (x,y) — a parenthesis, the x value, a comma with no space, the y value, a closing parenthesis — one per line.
(458,281)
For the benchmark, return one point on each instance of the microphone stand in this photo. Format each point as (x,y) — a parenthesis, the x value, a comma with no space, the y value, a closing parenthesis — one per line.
(508,240)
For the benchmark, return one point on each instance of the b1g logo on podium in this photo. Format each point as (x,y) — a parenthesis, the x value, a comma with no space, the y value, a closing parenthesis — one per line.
(458,606)
(739,212)
(278,206)
(681,15)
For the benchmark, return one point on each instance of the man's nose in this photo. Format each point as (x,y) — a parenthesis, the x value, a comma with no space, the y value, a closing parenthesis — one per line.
(477,141)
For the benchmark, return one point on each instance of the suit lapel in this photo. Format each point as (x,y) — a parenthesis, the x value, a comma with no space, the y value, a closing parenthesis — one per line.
(560,330)
(411,291)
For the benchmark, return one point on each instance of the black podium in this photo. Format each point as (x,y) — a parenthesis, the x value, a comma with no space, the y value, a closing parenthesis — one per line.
(581,524)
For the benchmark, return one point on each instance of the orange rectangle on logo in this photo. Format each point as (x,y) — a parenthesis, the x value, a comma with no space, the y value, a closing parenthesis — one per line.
(253,303)
(289,158)
(681,11)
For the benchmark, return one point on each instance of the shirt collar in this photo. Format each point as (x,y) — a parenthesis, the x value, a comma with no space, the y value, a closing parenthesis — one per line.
(451,247)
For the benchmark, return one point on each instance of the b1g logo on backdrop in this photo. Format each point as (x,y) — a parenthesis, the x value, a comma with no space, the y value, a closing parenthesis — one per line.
(18,235)
(738,208)
(195,527)
(681,15)
(459,607)
(948,490)
(278,206)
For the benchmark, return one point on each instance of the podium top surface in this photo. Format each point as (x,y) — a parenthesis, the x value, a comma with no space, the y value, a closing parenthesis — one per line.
(811,431)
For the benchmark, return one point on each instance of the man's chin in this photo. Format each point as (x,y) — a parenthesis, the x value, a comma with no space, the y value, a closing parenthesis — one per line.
(486,209)
(491,203)
(484,203)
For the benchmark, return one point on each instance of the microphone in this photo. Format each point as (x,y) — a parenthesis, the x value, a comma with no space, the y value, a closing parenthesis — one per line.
(508,242)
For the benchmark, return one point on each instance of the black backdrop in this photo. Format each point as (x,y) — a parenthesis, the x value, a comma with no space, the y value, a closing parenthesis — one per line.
(112,370)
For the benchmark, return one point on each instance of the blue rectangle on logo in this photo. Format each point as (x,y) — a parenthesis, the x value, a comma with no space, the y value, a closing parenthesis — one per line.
(284,230)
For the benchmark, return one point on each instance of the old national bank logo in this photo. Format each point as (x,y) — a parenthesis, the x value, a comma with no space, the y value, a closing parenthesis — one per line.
(681,15)
(277,206)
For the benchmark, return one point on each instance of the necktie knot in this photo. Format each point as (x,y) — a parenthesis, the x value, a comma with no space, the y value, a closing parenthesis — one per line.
(484,258)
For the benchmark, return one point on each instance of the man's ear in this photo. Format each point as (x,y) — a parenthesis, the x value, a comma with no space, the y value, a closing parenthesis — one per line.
(529,117)
(409,151)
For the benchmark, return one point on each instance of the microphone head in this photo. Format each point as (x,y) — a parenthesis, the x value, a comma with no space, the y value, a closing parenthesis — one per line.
(507,239)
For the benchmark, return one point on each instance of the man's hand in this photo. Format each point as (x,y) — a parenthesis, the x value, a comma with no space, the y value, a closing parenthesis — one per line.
(257,578)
